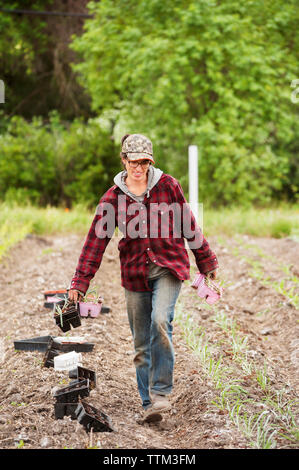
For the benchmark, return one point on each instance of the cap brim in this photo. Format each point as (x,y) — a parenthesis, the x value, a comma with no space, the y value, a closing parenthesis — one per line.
(140,156)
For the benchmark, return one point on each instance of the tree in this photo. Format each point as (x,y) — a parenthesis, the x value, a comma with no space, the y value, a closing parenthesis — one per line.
(215,74)
(35,59)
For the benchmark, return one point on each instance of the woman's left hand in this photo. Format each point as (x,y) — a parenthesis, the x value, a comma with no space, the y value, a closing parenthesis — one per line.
(212,275)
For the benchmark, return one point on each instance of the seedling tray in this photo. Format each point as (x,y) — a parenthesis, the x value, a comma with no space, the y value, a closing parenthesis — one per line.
(89,374)
(70,318)
(40,343)
(56,293)
(81,373)
(105,309)
(48,360)
(71,393)
(51,352)
(65,409)
(78,347)
(94,419)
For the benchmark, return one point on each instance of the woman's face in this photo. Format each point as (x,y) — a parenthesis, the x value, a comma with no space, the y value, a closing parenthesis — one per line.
(137,169)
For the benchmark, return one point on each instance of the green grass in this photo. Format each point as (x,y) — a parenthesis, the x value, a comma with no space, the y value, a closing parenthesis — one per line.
(18,221)
(278,222)
(264,415)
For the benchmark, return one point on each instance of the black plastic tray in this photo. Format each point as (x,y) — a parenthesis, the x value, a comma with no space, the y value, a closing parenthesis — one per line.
(40,343)
(48,360)
(70,318)
(65,409)
(71,393)
(92,418)
(105,309)
(61,293)
(83,373)
(78,347)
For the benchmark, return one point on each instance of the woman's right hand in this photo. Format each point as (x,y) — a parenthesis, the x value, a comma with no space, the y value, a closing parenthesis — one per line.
(74,296)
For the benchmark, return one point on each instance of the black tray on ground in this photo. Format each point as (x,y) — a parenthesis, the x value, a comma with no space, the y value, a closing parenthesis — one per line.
(105,309)
(78,347)
(65,409)
(83,373)
(48,360)
(62,293)
(94,419)
(51,352)
(40,343)
(72,392)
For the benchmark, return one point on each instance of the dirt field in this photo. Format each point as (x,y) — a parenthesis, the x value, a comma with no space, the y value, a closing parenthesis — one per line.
(253,329)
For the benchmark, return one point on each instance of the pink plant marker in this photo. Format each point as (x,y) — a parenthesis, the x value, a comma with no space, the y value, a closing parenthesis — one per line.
(206,289)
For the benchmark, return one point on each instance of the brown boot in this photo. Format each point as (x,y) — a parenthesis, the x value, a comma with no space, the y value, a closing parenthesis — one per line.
(150,415)
(160,402)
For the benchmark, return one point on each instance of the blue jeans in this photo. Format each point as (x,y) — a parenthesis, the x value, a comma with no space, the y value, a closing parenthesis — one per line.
(150,317)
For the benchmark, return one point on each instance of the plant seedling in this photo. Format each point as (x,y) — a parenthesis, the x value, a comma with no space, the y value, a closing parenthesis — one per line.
(66,315)
(91,303)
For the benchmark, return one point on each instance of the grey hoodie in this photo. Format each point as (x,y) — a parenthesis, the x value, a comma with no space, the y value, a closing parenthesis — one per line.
(154,174)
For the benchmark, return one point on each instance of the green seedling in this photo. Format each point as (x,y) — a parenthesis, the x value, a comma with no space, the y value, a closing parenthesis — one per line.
(63,382)
(47,251)
(262,379)
(92,295)
(59,311)
(260,427)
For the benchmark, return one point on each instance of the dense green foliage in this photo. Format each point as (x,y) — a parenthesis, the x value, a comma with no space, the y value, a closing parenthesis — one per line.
(55,163)
(215,74)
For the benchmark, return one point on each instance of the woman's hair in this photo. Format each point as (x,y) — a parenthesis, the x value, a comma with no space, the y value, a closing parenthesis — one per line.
(122,154)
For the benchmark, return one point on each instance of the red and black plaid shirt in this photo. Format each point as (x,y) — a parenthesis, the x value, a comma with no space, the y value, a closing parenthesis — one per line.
(147,241)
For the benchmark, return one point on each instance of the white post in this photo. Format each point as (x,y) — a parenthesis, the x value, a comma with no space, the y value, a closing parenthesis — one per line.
(193,180)
(2,92)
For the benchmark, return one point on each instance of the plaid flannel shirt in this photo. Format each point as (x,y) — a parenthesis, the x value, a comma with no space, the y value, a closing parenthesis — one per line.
(136,251)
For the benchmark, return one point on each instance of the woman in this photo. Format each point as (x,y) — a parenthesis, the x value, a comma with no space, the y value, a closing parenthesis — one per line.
(154,262)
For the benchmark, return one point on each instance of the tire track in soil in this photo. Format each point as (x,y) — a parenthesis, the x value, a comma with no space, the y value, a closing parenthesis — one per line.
(27,406)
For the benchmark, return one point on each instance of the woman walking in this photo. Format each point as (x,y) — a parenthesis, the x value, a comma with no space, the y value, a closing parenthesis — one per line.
(150,209)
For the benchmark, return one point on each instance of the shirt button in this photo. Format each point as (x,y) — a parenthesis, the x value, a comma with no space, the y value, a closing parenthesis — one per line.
(143,221)
(148,248)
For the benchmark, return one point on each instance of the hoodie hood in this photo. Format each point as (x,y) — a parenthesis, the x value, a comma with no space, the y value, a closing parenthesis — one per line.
(154,174)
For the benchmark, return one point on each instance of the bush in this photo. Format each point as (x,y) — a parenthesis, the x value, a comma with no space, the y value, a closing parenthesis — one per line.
(56,163)
(214,74)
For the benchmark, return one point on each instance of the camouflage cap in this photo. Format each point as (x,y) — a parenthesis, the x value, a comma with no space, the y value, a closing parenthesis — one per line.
(138,147)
